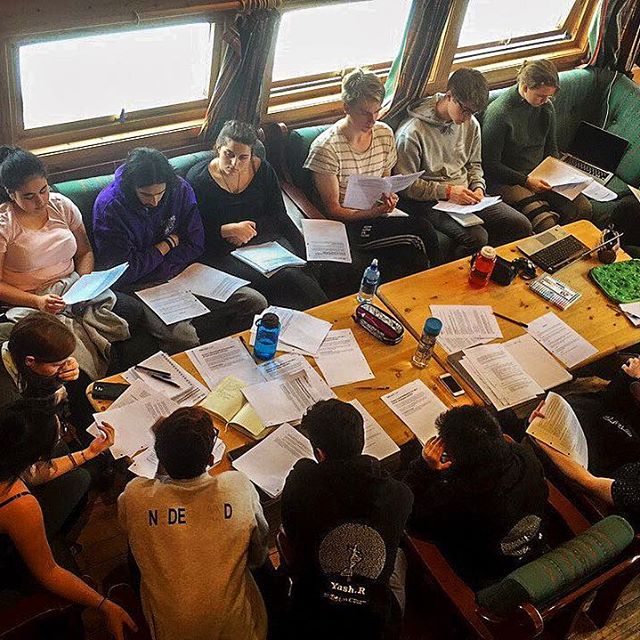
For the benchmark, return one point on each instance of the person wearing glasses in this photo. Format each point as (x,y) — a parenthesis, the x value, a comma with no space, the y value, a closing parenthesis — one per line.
(195,536)
(441,137)
(518,133)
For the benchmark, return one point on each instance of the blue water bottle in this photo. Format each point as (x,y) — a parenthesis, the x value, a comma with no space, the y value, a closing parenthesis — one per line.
(370,281)
(267,336)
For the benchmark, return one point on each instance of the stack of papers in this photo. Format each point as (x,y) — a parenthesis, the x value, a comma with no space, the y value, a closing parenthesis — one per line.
(267,258)
(326,240)
(186,391)
(268,463)
(465,326)
(464,209)
(175,301)
(364,191)
(418,407)
(377,442)
(497,374)
(562,177)
(341,360)
(299,331)
(91,285)
(557,337)
(632,311)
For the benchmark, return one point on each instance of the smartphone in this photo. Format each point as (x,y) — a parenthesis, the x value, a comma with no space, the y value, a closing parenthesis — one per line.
(450,382)
(108,390)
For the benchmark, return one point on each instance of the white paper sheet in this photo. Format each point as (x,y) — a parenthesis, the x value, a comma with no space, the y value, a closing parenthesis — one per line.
(290,364)
(634,191)
(599,192)
(451,207)
(189,392)
(557,337)
(326,240)
(267,258)
(632,311)
(269,462)
(341,360)
(563,178)
(377,442)
(561,429)
(91,285)
(465,326)
(208,282)
(417,406)
(227,357)
(363,191)
(170,304)
(537,361)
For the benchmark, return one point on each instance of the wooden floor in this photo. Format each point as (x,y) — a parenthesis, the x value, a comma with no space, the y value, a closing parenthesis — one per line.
(104,555)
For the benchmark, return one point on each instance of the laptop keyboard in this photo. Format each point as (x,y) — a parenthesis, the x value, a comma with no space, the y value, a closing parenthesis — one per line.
(586,167)
(557,253)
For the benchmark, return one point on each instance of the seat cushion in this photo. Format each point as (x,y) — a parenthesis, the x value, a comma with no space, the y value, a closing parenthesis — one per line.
(297,149)
(560,570)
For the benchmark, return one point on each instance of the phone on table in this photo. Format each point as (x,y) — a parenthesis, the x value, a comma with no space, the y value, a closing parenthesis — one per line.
(451,384)
(108,390)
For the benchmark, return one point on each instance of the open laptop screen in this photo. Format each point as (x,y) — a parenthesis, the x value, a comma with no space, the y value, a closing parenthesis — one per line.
(598,147)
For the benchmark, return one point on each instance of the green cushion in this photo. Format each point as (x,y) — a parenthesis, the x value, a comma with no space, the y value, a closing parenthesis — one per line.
(182,164)
(298,144)
(560,570)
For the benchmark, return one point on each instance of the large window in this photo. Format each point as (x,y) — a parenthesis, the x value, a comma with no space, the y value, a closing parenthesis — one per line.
(113,76)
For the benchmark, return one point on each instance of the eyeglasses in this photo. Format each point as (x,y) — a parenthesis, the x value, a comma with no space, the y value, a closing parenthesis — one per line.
(466,112)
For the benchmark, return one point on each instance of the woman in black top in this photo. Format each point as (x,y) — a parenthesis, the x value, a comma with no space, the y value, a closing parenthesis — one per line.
(241,203)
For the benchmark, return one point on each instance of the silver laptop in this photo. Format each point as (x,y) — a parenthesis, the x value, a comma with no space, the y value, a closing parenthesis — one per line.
(596,152)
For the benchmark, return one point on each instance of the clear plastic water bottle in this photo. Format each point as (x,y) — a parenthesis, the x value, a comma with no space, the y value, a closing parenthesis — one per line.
(369,283)
(267,336)
(427,343)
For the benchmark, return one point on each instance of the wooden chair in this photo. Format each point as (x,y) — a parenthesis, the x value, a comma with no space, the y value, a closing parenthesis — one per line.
(124,595)
(554,619)
(28,618)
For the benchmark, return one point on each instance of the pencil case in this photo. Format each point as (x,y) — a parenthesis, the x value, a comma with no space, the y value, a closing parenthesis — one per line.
(378,323)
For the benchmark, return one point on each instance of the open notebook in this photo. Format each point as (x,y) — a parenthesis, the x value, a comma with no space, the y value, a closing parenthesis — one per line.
(228,403)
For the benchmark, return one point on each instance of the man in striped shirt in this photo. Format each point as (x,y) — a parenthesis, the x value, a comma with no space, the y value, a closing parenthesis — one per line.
(358,144)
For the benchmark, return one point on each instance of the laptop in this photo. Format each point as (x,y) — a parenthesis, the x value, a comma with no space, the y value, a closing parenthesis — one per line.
(596,152)
(553,249)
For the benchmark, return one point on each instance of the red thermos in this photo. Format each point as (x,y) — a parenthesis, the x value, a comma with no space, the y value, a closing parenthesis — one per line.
(482,267)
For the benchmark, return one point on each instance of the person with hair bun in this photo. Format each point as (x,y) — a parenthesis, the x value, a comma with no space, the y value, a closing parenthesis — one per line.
(518,133)
(28,442)
(241,203)
(148,216)
(44,249)
(359,144)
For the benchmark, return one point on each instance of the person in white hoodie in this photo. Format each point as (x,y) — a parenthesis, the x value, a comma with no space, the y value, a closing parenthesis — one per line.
(441,137)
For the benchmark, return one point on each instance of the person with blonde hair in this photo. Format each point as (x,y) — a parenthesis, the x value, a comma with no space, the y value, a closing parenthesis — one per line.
(359,144)
(518,132)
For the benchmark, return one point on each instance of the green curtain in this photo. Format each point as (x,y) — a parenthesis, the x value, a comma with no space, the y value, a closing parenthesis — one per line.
(412,66)
(240,90)
(616,44)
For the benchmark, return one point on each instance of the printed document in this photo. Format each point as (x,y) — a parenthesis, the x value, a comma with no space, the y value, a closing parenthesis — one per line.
(341,360)
(268,463)
(451,207)
(377,442)
(290,364)
(560,429)
(562,177)
(364,191)
(207,282)
(418,407)
(557,337)
(222,358)
(172,306)
(465,325)
(267,258)
(91,285)
(599,192)
(326,240)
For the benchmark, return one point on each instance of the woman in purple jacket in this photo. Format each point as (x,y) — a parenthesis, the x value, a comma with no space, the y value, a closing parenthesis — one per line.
(148,217)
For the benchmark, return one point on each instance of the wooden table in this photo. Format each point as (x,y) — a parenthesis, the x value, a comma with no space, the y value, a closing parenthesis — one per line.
(390,364)
(591,316)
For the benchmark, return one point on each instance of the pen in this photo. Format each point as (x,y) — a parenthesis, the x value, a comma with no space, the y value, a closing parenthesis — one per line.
(150,370)
(163,379)
(375,388)
(508,319)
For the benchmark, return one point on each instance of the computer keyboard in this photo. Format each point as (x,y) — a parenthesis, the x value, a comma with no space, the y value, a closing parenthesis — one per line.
(587,168)
(559,253)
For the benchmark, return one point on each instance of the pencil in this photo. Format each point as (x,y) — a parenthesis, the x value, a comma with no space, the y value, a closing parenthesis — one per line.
(508,319)
(246,346)
(375,388)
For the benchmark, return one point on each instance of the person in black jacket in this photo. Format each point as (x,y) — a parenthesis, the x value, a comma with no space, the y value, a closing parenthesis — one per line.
(241,203)
(480,497)
(344,520)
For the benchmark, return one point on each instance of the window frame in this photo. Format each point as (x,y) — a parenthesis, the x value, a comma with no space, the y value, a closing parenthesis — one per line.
(105,127)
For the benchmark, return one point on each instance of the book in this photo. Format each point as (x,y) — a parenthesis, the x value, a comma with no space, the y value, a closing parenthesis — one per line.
(227,402)
(267,258)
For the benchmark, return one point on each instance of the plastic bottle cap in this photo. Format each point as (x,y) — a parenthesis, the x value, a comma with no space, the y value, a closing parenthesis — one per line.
(270,321)
(432,326)
(488,252)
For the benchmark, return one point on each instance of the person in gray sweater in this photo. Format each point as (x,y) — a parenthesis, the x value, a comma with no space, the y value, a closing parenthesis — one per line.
(441,137)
